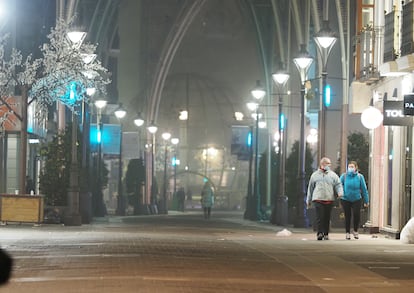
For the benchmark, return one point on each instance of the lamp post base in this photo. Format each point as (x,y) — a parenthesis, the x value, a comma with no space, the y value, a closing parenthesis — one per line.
(250,213)
(279,215)
(120,210)
(72,220)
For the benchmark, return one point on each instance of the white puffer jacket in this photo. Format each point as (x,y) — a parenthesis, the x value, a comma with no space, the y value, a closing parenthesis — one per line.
(323,185)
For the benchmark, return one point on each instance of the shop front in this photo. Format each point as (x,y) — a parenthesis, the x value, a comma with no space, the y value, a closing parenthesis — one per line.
(391,164)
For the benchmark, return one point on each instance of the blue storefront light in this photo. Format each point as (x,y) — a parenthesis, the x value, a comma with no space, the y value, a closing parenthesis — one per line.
(249,139)
(282,121)
(327,95)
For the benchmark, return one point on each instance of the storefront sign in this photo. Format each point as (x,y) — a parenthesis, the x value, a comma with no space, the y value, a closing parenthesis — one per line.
(394,114)
(409,104)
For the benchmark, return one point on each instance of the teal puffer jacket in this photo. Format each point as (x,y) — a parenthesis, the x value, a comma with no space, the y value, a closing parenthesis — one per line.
(354,187)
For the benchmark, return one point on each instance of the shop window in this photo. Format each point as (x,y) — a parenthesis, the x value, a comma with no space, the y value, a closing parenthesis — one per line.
(388,211)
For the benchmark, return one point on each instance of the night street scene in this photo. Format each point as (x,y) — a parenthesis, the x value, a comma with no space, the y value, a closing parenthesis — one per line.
(206,146)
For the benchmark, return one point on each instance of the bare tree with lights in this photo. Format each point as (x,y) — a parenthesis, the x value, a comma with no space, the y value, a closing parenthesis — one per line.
(62,74)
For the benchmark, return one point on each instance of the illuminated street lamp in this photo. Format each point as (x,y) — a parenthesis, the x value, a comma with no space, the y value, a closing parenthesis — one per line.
(325,39)
(76,37)
(120,113)
(166,137)
(280,78)
(371,117)
(139,121)
(303,63)
(253,204)
(152,128)
(100,104)
(72,215)
(175,161)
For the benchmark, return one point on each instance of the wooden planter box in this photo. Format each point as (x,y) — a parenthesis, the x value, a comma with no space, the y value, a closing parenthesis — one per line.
(21,208)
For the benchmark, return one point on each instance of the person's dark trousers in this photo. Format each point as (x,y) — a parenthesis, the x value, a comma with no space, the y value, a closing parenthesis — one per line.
(323,217)
(6,263)
(207,212)
(351,209)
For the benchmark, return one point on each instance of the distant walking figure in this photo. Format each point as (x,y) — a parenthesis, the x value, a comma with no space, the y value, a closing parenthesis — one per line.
(207,199)
(181,199)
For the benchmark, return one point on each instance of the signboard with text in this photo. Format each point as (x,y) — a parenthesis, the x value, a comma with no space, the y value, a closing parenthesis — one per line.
(409,104)
(394,114)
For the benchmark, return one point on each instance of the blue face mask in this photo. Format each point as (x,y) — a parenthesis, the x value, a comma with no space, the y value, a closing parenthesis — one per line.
(327,168)
(351,170)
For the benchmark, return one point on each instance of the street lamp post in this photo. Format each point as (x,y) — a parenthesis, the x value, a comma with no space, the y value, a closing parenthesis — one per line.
(302,62)
(152,128)
(280,78)
(166,137)
(139,122)
(175,162)
(325,40)
(99,104)
(73,216)
(258,93)
(120,208)
(250,211)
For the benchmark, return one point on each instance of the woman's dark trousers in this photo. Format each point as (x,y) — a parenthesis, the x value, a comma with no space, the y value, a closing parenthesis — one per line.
(351,209)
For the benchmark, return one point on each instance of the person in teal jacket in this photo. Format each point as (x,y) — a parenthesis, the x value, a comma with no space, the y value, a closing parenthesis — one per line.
(355,189)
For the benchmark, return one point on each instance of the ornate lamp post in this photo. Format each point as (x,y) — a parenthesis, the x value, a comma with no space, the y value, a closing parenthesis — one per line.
(100,105)
(152,128)
(280,78)
(258,94)
(139,121)
(166,137)
(72,215)
(175,161)
(120,113)
(302,62)
(325,39)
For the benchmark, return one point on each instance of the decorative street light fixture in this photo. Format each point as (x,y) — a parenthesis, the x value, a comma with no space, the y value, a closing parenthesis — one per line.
(152,128)
(166,137)
(325,39)
(100,105)
(139,121)
(302,62)
(371,117)
(253,204)
(120,113)
(72,216)
(280,78)
(175,161)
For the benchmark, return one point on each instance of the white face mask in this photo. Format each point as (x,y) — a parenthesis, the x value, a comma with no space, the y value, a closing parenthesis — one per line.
(351,170)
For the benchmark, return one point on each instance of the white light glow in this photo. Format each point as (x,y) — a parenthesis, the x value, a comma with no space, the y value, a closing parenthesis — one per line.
(100,104)
(183,115)
(371,117)
(166,136)
(76,37)
(238,116)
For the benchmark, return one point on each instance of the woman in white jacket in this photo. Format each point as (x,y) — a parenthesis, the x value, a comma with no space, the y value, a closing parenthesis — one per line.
(207,199)
(323,185)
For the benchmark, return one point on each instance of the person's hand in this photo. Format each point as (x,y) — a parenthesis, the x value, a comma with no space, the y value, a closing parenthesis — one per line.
(366,205)
(309,205)
(340,195)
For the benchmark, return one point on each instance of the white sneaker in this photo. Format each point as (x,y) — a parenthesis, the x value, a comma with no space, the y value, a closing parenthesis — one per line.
(348,236)
(356,236)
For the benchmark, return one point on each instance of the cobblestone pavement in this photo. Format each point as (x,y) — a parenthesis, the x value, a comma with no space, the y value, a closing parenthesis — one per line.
(182,252)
